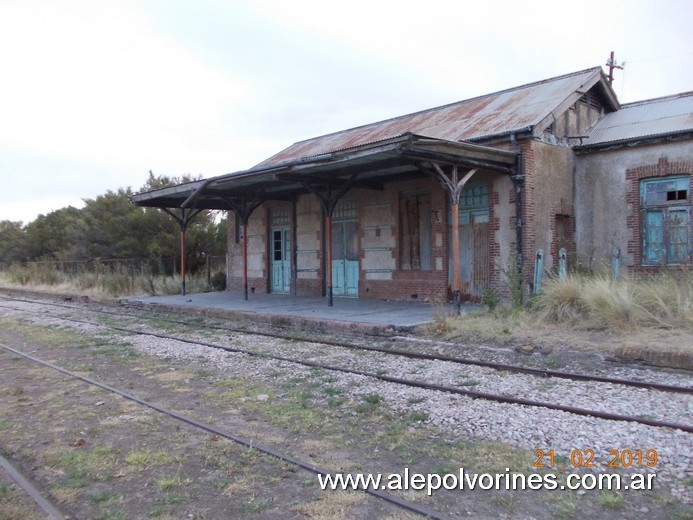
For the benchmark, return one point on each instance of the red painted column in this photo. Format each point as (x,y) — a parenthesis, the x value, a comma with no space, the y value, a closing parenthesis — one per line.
(245,260)
(328,238)
(182,258)
(455,255)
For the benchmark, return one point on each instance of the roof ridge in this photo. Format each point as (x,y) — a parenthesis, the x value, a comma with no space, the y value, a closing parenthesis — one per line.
(441,107)
(657,99)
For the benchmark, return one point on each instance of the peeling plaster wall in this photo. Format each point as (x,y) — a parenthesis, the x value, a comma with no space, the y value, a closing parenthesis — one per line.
(257,252)
(503,229)
(309,256)
(601,208)
(552,195)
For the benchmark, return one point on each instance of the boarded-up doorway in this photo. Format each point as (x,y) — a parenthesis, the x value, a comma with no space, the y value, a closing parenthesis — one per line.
(473,216)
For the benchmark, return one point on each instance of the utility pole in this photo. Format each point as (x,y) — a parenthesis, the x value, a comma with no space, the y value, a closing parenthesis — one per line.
(613,64)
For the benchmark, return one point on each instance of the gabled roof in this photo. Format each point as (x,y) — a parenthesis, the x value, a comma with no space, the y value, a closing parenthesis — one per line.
(652,118)
(515,110)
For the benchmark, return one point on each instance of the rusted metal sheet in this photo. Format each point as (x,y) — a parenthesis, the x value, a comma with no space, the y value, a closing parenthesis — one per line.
(510,110)
(667,115)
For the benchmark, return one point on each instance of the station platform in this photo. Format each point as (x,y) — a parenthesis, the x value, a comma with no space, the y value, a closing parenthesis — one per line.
(374,316)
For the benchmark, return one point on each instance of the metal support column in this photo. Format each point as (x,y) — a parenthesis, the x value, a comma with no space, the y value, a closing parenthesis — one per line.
(186,216)
(183,254)
(456,281)
(243,208)
(328,254)
(453,186)
(329,201)
(244,230)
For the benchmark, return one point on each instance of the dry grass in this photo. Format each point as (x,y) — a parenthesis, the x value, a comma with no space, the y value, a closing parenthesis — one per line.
(331,506)
(649,319)
(100,285)
(600,303)
(494,327)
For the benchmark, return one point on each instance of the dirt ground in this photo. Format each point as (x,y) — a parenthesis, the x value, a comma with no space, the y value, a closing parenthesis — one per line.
(100,456)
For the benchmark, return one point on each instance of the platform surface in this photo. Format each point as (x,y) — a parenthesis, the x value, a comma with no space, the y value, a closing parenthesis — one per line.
(376,312)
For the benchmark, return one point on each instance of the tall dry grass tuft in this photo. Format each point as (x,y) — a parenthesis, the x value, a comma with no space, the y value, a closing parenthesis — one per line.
(609,303)
(667,300)
(560,300)
(597,302)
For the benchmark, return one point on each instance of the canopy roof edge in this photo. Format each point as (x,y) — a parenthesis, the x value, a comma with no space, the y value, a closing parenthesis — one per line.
(380,161)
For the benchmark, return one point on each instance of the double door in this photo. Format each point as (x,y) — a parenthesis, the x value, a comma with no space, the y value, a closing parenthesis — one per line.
(345,259)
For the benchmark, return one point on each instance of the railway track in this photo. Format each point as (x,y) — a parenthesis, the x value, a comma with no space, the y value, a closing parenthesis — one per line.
(49,509)
(203,426)
(505,367)
(475,394)
(233,352)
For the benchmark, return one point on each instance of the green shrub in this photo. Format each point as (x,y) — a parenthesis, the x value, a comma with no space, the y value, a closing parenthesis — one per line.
(219,281)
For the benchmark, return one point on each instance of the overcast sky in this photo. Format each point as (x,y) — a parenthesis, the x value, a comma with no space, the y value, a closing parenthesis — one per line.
(95,93)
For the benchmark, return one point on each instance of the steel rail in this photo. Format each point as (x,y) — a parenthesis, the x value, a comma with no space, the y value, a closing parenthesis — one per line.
(393,499)
(540,372)
(430,386)
(408,382)
(460,361)
(51,511)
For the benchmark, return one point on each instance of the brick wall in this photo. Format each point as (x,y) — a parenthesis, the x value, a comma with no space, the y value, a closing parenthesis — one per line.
(529,209)
(378,239)
(381,275)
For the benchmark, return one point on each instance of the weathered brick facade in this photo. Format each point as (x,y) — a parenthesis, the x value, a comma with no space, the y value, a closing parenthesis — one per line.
(380,274)
(561,152)
(573,195)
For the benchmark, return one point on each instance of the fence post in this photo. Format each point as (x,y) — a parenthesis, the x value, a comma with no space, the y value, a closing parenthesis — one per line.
(538,270)
(562,268)
(615,263)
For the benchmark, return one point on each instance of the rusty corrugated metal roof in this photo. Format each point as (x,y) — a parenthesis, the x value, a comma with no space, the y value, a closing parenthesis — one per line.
(503,112)
(375,164)
(649,118)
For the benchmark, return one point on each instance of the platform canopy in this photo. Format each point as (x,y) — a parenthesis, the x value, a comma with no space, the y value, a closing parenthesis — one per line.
(329,176)
(365,166)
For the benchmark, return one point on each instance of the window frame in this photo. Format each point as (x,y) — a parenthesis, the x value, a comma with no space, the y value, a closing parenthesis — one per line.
(660,223)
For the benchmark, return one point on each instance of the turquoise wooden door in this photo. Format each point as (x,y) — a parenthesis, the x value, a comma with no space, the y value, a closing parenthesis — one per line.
(281,260)
(345,260)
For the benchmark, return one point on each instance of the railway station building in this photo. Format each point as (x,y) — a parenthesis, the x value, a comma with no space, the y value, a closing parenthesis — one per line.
(443,204)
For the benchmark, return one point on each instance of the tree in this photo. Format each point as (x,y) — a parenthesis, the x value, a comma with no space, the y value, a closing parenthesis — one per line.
(114,228)
(110,227)
(13,246)
(205,235)
(57,235)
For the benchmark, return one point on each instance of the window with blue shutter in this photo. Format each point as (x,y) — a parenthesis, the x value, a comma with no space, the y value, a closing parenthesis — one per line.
(666,222)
